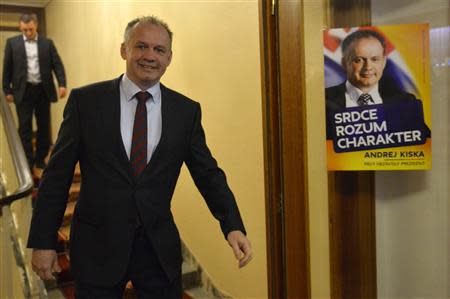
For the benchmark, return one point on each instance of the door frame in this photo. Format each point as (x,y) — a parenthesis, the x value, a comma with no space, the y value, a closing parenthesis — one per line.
(351,206)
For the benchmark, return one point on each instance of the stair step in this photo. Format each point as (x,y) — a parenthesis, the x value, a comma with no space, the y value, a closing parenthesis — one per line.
(199,293)
(37,174)
(191,276)
(64,277)
(64,232)
(34,193)
(77,174)
(74,192)
(68,213)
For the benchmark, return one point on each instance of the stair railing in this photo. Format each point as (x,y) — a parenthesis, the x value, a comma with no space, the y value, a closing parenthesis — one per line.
(11,241)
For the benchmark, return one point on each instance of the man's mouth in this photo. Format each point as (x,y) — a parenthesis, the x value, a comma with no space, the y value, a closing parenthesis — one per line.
(147,66)
(367,75)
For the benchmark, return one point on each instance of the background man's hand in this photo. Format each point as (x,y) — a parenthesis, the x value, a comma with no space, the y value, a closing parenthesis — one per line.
(10,98)
(62,92)
(45,263)
(241,247)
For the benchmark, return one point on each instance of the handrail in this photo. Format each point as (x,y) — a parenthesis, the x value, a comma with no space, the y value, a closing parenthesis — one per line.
(25,188)
(18,156)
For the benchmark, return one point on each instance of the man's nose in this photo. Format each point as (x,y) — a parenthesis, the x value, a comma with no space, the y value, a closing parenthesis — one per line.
(367,64)
(149,54)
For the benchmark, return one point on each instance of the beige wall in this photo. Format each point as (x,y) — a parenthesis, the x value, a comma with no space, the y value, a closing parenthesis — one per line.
(412,207)
(216,62)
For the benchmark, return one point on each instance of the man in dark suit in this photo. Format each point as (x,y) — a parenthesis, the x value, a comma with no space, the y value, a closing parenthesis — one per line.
(131,136)
(28,64)
(364,60)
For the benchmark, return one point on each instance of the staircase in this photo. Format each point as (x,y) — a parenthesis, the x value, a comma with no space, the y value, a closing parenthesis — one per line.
(63,287)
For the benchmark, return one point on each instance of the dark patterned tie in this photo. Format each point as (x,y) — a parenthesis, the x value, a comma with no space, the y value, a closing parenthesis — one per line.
(138,154)
(364,99)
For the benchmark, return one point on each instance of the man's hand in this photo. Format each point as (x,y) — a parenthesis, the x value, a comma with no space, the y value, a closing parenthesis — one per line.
(9,98)
(45,263)
(62,92)
(241,247)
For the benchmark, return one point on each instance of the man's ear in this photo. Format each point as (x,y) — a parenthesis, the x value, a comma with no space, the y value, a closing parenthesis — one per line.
(385,61)
(170,56)
(123,51)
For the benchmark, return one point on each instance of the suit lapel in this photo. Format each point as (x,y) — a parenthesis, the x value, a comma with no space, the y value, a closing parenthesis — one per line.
(341,96)
(20,48)
(110,108)
(166,108)
(40,46)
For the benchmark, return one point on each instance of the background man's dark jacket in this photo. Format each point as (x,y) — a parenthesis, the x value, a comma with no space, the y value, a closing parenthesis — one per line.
(15,67)
(110,198)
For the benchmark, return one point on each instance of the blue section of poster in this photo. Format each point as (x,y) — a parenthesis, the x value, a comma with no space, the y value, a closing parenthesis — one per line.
(378,126)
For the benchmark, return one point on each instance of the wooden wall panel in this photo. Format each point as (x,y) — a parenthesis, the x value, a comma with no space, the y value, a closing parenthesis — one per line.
(272,155)
(293,149)
(352,199)
(285,149)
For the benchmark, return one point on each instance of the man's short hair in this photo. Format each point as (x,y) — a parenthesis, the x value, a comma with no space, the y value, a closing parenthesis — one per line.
(145,20)
(360,34)
(28,17)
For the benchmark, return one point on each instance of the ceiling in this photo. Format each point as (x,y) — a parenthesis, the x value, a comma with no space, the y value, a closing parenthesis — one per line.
(34,3)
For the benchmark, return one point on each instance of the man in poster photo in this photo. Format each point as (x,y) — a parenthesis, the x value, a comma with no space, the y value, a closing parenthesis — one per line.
(363,60)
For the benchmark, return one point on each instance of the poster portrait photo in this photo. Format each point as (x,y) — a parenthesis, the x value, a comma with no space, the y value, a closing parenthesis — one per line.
(377,96)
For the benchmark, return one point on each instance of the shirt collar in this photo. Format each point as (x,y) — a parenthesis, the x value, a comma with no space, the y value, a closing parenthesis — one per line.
(130,89)
(33,39)
(354,92)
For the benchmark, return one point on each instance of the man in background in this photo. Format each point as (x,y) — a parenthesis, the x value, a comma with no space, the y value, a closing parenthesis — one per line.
(29,61)
(131,136)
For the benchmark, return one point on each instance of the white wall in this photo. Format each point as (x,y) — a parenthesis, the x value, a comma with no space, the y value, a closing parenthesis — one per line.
(412,207)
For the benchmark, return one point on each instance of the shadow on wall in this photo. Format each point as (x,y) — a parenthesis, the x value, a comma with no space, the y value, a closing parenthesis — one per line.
(401,183)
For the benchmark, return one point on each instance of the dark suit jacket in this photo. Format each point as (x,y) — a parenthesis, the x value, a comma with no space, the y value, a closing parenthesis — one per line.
(15,67)
(110,199)
(335,100)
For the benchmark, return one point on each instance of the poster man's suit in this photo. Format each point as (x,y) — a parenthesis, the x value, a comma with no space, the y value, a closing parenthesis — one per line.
(111,199)
(335,101)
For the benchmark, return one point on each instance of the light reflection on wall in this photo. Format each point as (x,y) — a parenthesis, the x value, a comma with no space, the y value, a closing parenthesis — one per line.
(439,38)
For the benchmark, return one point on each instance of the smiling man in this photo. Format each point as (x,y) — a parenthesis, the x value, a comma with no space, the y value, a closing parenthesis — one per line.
(131,136)
(363,60)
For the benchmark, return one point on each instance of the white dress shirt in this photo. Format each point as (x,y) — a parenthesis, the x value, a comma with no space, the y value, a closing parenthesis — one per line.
(128,104)
(31,50)
(352,94)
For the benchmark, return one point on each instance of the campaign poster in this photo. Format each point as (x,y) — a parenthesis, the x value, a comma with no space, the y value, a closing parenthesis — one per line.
(377,95)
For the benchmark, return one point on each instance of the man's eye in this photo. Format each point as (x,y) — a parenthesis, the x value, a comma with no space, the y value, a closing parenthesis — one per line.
(160,50)
(357,60)
(140,47)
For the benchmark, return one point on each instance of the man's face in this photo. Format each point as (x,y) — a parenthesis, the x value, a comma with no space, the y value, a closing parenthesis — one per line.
(365,63)
(147,53)
(28,29)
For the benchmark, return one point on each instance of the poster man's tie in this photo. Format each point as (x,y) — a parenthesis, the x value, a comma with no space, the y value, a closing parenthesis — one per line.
(138,155)
(364,99)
